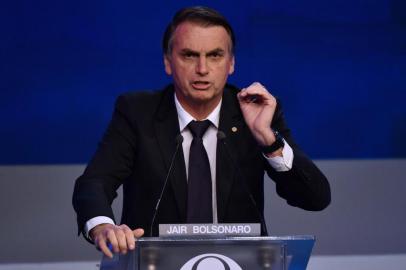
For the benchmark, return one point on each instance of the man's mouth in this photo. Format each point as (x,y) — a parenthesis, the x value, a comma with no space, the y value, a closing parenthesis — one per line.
(201,85)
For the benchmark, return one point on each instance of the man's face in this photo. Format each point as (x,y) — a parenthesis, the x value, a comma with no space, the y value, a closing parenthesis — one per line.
(200,62)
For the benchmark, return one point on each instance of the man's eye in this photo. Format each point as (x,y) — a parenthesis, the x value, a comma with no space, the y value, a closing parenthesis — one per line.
(189,55)
(215,55)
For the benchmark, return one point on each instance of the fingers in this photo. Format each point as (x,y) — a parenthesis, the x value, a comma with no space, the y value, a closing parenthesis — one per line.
(100,235)
(256,93)
(120,234)
(121,238)
(112,239)
(101,244)
(138,233)
(129,238)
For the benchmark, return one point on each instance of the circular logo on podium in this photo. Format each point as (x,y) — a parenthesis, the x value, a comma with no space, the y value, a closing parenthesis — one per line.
(211,261)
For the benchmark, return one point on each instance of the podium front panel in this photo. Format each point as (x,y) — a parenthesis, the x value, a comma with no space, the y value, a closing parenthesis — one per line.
(230,253)
(234,254)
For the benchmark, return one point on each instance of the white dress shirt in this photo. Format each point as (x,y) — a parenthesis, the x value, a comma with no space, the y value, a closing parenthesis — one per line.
(280,164)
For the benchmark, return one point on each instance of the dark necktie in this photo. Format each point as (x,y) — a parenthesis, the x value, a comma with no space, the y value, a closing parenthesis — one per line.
(199,206)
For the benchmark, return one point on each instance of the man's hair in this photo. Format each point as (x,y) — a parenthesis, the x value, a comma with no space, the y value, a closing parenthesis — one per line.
(202,16)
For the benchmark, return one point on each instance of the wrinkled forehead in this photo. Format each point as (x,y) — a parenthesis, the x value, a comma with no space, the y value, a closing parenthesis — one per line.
(196,36)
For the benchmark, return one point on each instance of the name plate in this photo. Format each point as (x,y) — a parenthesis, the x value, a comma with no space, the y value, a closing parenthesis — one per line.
(221,229)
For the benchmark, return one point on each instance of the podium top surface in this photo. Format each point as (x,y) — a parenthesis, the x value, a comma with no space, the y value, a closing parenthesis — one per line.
(287,238)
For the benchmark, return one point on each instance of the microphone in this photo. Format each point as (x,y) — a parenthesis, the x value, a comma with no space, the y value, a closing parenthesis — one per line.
(221,136)
(178,140)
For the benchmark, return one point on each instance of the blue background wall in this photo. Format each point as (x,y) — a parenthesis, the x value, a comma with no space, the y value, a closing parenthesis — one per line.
(339,67)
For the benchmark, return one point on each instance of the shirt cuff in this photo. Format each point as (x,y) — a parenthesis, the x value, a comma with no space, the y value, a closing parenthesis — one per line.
(283,163)
(93,222)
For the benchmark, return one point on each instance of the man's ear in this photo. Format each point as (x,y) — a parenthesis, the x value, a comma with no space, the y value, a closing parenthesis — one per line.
(167,63)
(231,69)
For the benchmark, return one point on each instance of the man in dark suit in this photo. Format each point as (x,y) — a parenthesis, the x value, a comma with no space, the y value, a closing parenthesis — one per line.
(150,139)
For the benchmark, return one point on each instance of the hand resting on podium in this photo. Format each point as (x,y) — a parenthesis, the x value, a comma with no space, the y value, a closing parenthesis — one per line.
(116,238)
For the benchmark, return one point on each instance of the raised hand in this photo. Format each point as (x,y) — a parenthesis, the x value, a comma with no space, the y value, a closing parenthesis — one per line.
(258,108)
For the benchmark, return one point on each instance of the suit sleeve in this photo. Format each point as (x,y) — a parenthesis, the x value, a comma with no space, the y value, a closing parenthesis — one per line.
(95,190)
(304,185)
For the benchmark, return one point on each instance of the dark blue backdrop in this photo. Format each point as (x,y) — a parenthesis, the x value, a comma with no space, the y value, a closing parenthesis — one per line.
(338,67)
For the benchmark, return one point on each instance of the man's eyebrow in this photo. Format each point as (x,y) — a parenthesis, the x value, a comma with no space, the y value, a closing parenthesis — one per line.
(189,51)
(216,51)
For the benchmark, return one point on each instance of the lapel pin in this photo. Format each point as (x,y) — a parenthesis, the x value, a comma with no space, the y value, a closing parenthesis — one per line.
(234,129)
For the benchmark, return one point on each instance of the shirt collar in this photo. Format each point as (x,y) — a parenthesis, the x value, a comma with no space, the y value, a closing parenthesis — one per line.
(185,118)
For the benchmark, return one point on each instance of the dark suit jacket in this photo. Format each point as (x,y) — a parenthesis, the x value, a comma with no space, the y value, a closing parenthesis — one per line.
(136,150)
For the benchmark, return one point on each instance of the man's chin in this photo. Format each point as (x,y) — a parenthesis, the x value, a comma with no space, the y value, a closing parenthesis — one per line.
(202,97)
(199,97)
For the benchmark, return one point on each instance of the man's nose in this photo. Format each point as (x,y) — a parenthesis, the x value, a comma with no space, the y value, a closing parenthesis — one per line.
(201,67)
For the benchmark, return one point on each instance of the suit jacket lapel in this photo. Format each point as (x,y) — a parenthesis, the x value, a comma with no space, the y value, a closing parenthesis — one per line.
(231,123)
(166,130)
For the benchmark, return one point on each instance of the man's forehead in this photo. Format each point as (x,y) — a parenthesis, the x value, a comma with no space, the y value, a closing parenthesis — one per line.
(191,33)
